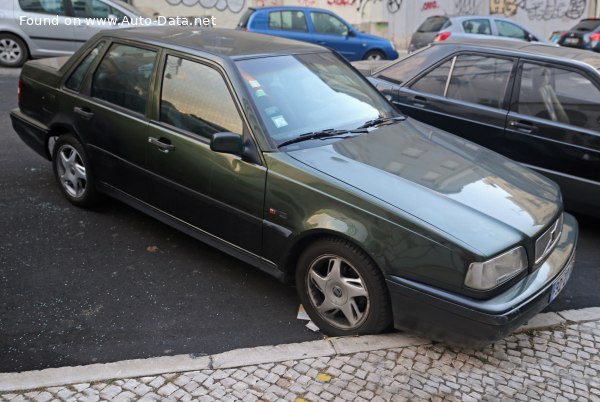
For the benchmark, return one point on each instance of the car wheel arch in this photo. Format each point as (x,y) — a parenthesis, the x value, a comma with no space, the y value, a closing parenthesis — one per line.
(303,241)
(20,37)
(56,130)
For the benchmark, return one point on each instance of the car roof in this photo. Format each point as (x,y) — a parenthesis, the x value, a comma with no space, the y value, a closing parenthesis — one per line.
(533,48)
(226,43)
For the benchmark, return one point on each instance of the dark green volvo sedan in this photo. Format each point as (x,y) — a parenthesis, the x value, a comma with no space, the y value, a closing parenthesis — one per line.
(281,154)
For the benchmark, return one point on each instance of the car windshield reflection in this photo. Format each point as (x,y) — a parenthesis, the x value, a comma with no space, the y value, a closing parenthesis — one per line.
(298,94)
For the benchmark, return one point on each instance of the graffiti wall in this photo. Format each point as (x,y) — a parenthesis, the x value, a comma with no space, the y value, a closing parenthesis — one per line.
(363,13)
(395,19)
(542,17)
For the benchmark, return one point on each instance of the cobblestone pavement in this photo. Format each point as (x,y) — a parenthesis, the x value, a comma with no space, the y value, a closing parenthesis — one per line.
(559,364)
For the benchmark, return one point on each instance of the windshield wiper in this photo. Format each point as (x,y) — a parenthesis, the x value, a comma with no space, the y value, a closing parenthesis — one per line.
(315,135)
(381,120)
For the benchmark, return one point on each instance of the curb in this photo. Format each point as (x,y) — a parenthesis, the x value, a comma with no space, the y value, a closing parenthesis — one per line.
(250,356)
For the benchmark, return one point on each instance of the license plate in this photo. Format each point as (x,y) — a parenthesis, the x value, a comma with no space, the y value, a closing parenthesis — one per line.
(571,41)
(560,283)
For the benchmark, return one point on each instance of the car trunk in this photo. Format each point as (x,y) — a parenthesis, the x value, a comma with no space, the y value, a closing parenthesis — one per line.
(427,31)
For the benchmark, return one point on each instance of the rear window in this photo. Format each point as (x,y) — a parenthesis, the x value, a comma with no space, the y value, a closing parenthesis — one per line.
(433,24)
(586,25)
(245,17)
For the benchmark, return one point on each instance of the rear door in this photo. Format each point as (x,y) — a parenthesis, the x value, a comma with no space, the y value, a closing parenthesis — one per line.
(288,24)
(466,94)
(219,194)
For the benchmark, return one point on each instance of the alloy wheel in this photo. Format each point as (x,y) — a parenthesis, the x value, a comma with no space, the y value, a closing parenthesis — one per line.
(72,171)
(10,51)
(338,292)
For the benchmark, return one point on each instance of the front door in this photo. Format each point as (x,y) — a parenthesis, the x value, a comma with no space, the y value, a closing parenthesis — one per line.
(220,194)
(331,32)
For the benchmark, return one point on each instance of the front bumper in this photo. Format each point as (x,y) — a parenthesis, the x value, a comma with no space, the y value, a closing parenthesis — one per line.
(456,319)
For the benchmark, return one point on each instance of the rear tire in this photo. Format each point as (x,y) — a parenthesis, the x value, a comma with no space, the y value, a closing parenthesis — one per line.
(13,51)
(342,290)
(73,172)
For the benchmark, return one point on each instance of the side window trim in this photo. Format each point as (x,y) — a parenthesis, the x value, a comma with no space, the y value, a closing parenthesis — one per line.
(449,76)
(426,71)
(87,85)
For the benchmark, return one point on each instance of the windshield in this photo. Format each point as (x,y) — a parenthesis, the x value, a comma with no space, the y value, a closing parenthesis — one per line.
(432,24)
(299,94)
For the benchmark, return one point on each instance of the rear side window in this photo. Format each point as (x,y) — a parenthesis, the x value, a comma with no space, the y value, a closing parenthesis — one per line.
(76,79)
(245,17)
(195,98)
(480,79)
(479,26)
(123,77)
(43,6)
(95,9)
(433,24)
(288,20)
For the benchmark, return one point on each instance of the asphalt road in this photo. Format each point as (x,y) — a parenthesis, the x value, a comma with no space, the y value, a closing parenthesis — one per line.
(79,287)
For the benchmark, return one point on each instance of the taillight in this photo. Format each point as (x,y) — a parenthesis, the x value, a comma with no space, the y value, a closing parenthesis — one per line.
(595,36)
(19,92)
(442,36)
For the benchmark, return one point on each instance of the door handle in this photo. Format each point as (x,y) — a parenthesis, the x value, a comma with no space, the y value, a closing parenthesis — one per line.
(163,144)
(85,113)
(523,126)
(419,101)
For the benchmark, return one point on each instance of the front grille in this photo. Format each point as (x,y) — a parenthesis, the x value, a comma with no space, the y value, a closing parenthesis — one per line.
(546,242)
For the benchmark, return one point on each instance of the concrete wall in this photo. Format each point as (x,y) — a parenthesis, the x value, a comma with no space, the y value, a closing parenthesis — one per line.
(396,19)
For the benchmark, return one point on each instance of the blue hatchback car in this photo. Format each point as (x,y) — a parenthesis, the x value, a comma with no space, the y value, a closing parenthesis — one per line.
(317,26)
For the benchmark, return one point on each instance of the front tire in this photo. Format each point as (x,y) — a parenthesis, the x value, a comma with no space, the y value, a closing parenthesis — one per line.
(342,289)
(13,51)
(73,172)
(374,55)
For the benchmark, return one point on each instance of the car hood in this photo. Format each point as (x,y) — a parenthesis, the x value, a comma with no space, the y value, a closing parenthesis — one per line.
(463,189)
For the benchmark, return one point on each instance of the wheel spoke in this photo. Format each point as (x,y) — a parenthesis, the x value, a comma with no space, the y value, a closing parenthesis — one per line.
(335,266)
(318,281)
(351,312)
(327,307)
(64,160)
(354,287)
(80,171)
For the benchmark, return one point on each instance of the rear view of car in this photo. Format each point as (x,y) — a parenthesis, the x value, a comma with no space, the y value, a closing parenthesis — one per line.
(427,31)
(584,35)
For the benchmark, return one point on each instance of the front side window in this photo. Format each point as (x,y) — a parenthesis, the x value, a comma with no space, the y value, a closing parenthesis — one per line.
(195,98)
(297,94)
(54,7)
(123,77)
(510,30)
(479,26)
(76,79)
(288,20)
(434,82)
(328,24)
(480,79)
(559,95)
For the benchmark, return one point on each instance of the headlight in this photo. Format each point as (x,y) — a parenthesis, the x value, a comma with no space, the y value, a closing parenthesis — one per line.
(489,274)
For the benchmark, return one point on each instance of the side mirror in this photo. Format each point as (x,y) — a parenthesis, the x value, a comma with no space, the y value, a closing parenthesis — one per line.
(112,17)
(351,32)
(227,143)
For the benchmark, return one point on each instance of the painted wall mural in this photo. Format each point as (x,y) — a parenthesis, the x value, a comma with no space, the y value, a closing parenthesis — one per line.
(235,6)
(540,10)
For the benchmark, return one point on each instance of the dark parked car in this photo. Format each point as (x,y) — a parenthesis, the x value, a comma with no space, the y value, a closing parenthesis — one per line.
(439,28)
(584,35)
(317,26)
(279,153)
(536,104)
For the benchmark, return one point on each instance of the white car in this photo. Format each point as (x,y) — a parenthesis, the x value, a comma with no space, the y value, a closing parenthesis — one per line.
(42,28)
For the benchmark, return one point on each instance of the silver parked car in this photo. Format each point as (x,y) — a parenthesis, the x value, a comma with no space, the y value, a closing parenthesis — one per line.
(40,28)
(441,27)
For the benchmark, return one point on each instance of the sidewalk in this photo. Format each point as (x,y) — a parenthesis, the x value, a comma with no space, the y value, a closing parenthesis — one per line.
(556,357)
